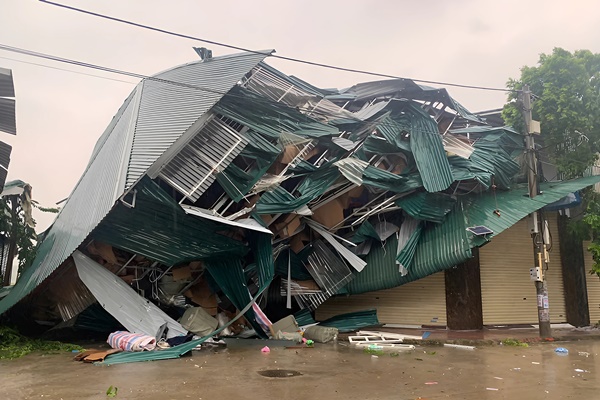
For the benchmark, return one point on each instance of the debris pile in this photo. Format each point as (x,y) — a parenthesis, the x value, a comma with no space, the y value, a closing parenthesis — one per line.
(226,194)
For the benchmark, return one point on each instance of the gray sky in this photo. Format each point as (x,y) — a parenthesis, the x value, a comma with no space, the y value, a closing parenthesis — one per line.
(61,114)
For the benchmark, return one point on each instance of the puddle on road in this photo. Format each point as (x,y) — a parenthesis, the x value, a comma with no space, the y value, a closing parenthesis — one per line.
(279,373)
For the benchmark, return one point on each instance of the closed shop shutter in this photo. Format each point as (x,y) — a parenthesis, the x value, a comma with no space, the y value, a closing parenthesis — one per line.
(508,294)
(421,302)
(593,287)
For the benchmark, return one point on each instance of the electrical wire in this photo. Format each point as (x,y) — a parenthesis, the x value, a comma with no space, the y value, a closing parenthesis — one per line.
(165,81)
(67,70)
(292,59)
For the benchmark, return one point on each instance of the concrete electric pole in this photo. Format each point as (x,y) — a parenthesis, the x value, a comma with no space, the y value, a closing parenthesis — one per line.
(538,223)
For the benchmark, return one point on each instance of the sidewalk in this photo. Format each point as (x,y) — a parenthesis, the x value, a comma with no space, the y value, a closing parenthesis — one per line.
(491,335)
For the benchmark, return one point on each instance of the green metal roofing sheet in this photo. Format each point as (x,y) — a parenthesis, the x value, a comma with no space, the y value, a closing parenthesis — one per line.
(445,245)
(158,228)
(515,204)
(440,246)
(426,146)
(407,253)
(431,207)
(230,277)
(270,118)
(280,200)
(353,321)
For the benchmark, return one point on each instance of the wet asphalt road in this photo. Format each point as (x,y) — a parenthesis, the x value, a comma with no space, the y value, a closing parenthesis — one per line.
(330,371)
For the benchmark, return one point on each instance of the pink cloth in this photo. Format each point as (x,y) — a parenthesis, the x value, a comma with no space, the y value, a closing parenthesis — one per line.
(127,341)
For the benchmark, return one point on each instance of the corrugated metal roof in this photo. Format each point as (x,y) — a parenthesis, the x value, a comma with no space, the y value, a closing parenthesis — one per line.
(93,197)
(431,207)
(440,247)
(7,88)
(269,117)
(5,150)
(403,88)
(158,228)
(428,150)
(126,150)
(167,111)
(196,166)
(8,121)
(515,204)
(448,244)
(136,313)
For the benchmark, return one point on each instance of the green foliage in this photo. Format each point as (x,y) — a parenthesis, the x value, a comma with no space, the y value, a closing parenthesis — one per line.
(14,345)
(567,86)
(514,342)
(112,391)
(21,226)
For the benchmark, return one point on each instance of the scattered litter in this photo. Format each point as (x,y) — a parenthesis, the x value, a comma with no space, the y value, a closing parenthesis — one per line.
(491,388)
(431,383)
(426,335)
(561,350)
(459,346)
(536,363)
(515,369)
(321,334)
(374,356)
(266,349)
(497,377)
(584,353)
(386,346)
(580,370)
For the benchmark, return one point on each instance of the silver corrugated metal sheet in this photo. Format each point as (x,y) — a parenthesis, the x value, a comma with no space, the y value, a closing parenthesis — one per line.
(8,121)
(241,223)
(127,142)
(136,313)
(7,88)
(457,146)
(167,111)
(93,197)
(196,166)
(5,150)
(356,262)
(352,169)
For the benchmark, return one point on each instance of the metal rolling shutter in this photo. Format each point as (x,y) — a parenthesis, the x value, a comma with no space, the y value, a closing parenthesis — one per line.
(508,294)
(422,302)
(593,287)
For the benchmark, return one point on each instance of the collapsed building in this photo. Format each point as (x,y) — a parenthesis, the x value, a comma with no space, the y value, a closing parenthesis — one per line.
(229,185)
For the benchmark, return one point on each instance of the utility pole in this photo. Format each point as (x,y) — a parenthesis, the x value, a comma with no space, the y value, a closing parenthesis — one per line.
(538,223)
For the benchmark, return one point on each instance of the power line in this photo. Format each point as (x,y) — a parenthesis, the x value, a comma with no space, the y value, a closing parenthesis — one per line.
(142,76)
(102,68)
(311,115)
(67,70)
(313,63)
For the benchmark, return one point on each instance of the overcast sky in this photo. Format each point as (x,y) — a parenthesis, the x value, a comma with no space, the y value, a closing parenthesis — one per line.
(61,114)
